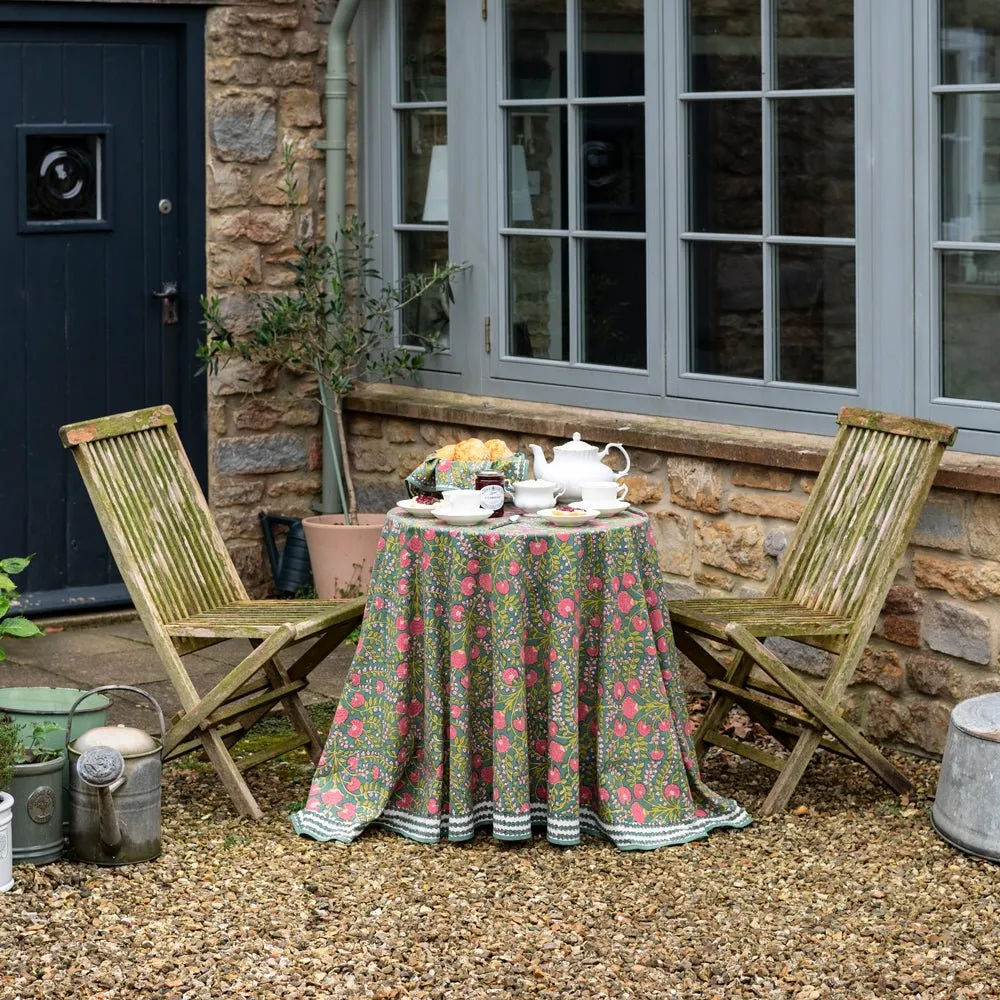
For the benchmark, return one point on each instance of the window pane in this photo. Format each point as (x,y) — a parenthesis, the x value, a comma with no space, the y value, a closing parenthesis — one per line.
(725,178)
(536,176)
(727,309)
(426,319)
(970,167)
(536,49)
(614,276)
(725,44)
(815,45)
(613,186)
(816,315)
(815,166)
(611,32)
(539,296)
(424,71)
(970,340)
(424,135)
(970,41)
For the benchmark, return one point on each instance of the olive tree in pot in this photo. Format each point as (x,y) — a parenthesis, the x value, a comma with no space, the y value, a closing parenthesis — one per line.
(347,324)
(11,751)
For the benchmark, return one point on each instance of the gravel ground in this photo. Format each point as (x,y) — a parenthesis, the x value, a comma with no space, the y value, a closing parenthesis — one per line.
(850,895)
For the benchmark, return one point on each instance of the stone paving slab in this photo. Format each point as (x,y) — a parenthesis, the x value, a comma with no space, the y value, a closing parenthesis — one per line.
(120,652)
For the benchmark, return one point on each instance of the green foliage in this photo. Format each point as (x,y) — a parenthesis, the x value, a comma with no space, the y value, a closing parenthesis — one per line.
(9,747)
(341,319)
(15,625)
(35,751)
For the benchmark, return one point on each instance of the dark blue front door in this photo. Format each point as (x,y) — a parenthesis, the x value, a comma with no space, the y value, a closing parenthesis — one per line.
(101,210)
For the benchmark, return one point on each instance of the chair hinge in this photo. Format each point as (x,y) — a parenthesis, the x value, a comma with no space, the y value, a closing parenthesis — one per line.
(487,324)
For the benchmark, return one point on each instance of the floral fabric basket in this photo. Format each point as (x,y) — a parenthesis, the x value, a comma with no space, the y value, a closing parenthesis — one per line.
(435,474)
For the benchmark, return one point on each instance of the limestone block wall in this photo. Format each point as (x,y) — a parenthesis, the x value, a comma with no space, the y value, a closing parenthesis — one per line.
(721,527)
(265,80)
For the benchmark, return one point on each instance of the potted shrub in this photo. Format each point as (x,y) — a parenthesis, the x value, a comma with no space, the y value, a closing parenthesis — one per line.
(15,625)
(338,321)
(36,788)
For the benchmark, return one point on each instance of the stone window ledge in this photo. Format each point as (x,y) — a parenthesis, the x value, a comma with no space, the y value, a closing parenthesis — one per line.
(725,442)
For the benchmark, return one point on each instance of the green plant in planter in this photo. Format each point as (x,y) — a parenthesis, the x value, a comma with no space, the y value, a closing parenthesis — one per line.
(341,320)
(11,751)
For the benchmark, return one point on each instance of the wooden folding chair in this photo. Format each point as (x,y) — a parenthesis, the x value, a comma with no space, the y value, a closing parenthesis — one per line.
(189,595)
(827,592)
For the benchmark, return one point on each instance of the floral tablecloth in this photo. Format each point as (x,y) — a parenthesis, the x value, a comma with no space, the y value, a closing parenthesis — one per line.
(518,676)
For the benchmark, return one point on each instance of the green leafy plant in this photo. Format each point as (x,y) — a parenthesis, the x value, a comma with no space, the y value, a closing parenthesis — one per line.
(35,751)
(341,320)
(15,625)
(9,747)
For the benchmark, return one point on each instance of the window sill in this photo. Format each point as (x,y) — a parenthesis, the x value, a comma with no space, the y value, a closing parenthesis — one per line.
(671,435)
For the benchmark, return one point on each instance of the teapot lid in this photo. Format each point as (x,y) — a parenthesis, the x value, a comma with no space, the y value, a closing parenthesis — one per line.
(576,445)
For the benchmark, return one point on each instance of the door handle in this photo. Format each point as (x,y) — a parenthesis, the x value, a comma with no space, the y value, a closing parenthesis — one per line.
(168,303)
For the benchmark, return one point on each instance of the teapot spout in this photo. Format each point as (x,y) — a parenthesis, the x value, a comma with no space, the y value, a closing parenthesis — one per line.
(539,466)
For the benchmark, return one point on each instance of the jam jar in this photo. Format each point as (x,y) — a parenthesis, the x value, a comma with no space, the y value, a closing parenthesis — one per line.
(490,481)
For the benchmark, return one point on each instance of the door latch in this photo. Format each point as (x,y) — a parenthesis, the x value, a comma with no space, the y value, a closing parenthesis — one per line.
(168,303)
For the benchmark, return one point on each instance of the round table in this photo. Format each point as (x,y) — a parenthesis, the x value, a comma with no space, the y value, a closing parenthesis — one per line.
(518,676)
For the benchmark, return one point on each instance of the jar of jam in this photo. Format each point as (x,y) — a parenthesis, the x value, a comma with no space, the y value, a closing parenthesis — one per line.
(490,481)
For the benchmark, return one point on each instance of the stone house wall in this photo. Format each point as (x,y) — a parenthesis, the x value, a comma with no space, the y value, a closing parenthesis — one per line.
(722,525)
(265,65)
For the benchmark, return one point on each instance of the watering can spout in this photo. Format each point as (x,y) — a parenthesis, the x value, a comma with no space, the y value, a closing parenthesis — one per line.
(290,568)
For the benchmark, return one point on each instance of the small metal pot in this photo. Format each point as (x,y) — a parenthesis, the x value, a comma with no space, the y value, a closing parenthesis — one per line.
(966,809)
(114,790)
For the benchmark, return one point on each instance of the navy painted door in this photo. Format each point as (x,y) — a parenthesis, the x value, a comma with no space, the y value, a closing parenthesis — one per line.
(98,212)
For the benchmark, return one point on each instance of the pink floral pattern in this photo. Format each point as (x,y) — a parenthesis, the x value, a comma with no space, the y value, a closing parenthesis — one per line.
(521,677)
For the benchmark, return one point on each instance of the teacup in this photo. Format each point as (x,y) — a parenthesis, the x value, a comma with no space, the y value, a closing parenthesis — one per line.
(603,495)
(463,501)
(535,494)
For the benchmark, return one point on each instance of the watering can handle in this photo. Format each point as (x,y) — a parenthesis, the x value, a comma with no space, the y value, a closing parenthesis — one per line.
(114,687)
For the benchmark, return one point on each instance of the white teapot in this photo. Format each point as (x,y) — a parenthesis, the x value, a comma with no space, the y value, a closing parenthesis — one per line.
(576,462)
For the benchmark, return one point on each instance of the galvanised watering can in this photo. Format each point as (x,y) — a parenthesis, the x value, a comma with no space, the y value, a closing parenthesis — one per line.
(114,790)
(291,568)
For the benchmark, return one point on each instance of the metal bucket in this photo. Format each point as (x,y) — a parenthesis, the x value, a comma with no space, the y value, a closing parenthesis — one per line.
(115,793)
(966,809)
(31,706)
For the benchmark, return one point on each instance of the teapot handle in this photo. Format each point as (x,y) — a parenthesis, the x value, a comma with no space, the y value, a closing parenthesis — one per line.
(628,461)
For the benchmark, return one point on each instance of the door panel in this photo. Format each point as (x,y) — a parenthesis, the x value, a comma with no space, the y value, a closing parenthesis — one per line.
(90,113)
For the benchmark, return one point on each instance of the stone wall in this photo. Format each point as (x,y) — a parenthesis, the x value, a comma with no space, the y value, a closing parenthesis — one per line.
(265,79)
(721,527)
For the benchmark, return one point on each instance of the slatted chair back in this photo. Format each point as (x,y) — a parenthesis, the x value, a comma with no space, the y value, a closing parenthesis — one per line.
(861,513)
(154,515)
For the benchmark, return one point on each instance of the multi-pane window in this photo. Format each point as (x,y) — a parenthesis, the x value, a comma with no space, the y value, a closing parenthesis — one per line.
(573,224)
(968,239)
(770,234)
(421,114)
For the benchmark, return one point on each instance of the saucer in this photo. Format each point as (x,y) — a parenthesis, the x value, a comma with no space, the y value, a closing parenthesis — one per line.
(616,508)
(567,519)
(411,506)
(444,513)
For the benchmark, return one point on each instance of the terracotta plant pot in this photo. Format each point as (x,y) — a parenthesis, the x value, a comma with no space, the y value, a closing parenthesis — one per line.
(342,555)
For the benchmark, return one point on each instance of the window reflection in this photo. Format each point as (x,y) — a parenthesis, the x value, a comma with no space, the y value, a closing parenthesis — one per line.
(970,41)
(424,76)
(724,44)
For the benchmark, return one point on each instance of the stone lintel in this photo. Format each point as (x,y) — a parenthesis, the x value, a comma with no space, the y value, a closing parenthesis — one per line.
(725,442)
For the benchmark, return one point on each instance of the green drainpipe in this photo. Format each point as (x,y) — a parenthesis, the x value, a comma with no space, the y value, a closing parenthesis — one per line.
(336,171)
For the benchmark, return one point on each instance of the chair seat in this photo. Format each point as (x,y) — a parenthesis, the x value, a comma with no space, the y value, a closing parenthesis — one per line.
(259,619)
(760,616)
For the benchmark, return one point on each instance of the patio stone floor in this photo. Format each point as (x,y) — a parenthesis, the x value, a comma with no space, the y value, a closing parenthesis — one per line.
(851,895)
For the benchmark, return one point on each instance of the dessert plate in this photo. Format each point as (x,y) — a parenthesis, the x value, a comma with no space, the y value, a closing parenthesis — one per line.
(411,506)
(568,518)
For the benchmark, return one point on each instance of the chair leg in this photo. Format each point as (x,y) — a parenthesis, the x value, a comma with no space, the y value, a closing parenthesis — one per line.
(795,764)
(229,774)
(296,710)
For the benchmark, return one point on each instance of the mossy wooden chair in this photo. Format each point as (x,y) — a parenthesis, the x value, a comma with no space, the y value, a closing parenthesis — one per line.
(827,592)
(189,595)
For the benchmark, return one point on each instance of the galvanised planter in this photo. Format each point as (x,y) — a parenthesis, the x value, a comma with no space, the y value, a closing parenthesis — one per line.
(37,814)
